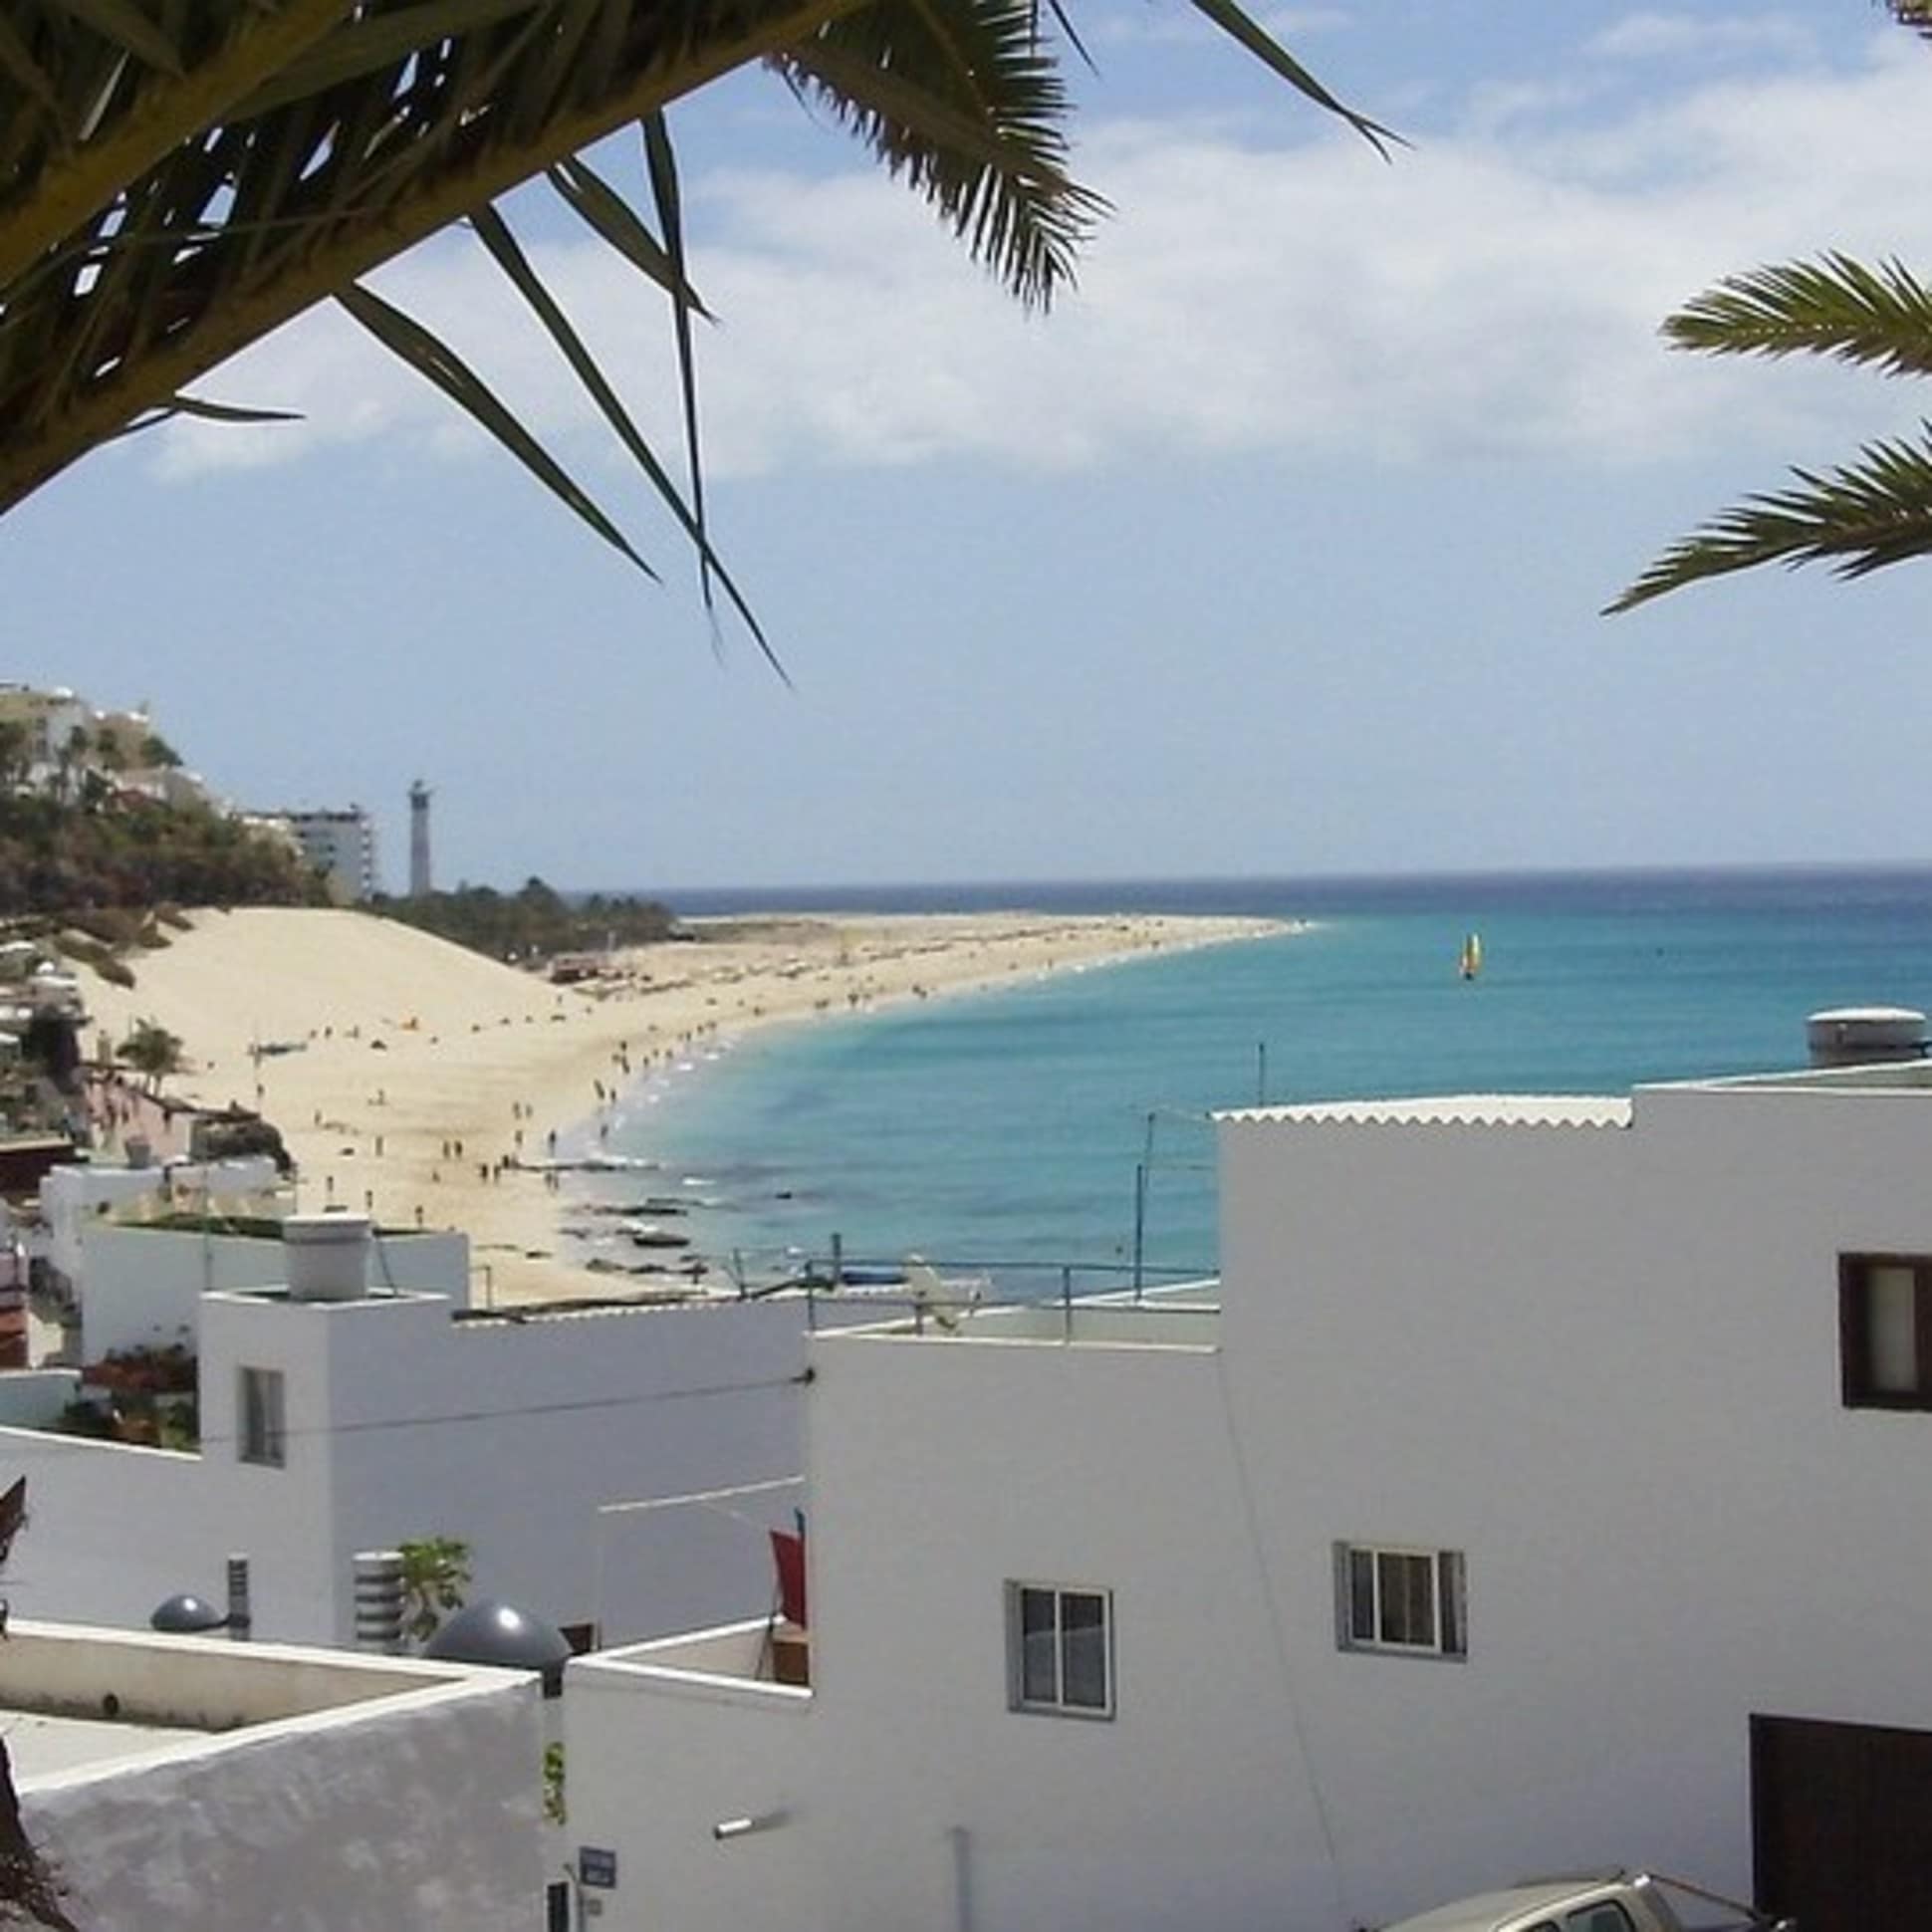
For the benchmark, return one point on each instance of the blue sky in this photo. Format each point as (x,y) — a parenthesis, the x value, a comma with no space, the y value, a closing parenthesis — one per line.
(1276,548)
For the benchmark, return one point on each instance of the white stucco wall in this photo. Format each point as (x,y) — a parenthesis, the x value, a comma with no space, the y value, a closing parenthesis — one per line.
(140,1286)
(418,1806)
(941,1471)
(1601,1362)
(403,1423)
(1606,1365)
(513,1433)
(73,1197)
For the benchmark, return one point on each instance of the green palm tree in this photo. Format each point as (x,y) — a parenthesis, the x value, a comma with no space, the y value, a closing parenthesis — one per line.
(152,1052)
(1858,516)
(179,177)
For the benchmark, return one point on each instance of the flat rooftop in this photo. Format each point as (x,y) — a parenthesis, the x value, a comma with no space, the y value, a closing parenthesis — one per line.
(40,1742)
(1180,1315)
(77,1699)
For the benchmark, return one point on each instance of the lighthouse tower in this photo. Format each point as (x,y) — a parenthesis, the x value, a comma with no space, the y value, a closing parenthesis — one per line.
(418,840)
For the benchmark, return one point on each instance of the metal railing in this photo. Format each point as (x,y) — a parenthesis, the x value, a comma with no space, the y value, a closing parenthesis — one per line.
(857,1286)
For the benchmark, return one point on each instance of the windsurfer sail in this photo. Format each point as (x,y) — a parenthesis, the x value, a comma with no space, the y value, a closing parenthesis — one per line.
(1472,954)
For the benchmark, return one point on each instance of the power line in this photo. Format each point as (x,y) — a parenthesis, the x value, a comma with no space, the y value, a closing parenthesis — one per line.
(578,1406)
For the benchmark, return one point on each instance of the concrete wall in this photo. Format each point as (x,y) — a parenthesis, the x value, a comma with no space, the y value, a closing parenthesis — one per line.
(418,1806)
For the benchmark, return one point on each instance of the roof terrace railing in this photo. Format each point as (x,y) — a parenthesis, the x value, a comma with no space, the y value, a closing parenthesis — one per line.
(954,1292)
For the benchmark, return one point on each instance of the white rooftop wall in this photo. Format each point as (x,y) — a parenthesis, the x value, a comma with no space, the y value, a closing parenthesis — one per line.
(141,1287)
(1601,1362)
(356,1798)
(403,1423)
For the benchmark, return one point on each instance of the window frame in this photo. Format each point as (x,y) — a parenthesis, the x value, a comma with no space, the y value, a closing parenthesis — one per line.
(265,1446)
(1016,1591)
(1855,1332)
(1448,1590)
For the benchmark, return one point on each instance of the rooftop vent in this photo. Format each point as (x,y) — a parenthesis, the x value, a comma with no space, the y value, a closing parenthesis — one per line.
(1864,1036)
(326,1256)
(493,1632)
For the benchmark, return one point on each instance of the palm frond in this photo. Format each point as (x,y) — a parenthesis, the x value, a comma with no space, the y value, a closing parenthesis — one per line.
(432,358)
(180,177)
(1859,518)
(1878,318)
(962,103)
(660,164)
(151,289)
(504,249)
(1915,14)
(1248,33)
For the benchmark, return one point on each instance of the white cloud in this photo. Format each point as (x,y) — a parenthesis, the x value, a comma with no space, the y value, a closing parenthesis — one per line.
(1291,23)
(1673,36)
(1479,294)
(1146,24)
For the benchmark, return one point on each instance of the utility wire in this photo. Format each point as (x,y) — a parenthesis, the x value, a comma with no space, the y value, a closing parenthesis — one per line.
(529,1408)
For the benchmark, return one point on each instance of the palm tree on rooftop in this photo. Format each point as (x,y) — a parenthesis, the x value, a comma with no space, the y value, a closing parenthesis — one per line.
(176,182)
(1858,516)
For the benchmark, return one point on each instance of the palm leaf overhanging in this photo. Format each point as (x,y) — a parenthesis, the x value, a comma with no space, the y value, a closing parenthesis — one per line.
(1860,517)
(179,177)
(1863,515)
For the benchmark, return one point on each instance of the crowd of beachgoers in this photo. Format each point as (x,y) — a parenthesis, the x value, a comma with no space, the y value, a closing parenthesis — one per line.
(433,1086)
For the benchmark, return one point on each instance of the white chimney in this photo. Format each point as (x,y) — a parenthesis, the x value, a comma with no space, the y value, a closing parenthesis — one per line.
(326,1257)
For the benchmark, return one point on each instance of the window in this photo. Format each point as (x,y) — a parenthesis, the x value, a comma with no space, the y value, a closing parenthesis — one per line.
(1060,1649)
(1407,1601)
(1605,1916)
(263,1433)
(1885,1331)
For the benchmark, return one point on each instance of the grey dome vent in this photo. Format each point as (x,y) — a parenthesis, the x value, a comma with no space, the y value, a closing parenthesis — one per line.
(493,1632)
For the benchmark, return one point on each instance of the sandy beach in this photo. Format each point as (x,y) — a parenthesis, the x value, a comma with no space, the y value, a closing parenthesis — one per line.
(424,1081)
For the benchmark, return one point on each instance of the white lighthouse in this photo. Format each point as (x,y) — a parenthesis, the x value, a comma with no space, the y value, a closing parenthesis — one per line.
(420,886)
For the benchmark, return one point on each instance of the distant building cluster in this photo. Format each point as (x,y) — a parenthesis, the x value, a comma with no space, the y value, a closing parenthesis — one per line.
(55,742)
(340,843)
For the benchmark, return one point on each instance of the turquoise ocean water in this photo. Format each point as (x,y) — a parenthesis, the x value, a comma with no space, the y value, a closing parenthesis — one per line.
(1004,1128)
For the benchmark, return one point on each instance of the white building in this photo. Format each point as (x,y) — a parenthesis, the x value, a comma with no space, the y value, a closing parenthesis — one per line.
(182,1785)
(328,1426)
(61,738)
(86,1203)
(342,842)
(1543,1491)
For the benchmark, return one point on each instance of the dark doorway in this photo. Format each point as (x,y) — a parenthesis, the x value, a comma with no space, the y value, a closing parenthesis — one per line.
(1842,1824)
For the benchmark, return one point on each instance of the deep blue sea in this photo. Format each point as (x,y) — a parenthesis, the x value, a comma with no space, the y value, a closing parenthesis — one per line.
(1004,1128)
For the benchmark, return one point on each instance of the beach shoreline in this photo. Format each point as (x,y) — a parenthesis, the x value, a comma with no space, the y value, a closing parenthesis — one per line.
(427,1085)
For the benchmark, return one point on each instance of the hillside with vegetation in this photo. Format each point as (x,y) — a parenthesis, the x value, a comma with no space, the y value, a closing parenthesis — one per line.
(104,850)
(535,922)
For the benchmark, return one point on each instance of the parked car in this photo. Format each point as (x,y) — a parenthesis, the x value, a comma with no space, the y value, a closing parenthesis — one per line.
(1591,1902)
